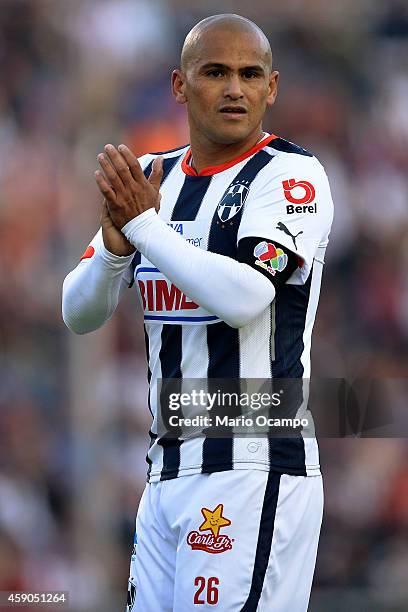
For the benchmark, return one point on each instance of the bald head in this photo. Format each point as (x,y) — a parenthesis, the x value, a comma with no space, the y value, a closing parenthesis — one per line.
(200,36)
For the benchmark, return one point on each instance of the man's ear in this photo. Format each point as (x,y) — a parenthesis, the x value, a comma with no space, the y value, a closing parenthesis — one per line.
(178,86)
(273,87)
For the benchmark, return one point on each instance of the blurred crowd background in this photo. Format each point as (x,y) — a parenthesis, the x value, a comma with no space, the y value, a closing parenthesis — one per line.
(76,74)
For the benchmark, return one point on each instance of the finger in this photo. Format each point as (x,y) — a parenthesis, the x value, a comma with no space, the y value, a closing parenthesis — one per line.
(156,174)
(112,176)
(105,216)
(104,187)
(119,163)
(132,162)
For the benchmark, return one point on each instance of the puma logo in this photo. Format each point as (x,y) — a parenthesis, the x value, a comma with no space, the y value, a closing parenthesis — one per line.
(282,227)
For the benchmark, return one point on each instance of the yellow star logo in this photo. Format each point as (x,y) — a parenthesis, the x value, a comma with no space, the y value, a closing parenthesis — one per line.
(214,519)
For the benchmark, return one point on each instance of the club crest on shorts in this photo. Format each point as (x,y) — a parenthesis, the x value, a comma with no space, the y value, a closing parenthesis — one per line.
(213,542)
(270,257)
(233,200)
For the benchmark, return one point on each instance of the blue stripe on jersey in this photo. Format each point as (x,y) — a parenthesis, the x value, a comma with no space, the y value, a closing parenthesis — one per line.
(190,197)
(137,257)
(147,269)
(291,302)
(149,377)
(170,358)
(135,262)
(169,318)
(149,372)
(264,544)
(223,351)
(148,169)
(168,165)
(223,234)
(186,208)
(280,144)
(222,340)
(223,356)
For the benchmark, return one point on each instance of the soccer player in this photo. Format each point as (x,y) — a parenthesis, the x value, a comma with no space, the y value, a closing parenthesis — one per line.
(223,240)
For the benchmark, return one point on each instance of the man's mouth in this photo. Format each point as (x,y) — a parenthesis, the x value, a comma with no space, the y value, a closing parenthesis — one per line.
(233,110)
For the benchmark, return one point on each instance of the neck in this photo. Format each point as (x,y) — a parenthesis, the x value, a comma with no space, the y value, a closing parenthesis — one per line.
(207,153)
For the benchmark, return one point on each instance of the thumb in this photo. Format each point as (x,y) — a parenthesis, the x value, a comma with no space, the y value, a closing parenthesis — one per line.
(156,173)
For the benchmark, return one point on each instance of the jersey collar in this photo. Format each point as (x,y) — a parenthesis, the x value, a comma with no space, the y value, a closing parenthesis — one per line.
(209,170)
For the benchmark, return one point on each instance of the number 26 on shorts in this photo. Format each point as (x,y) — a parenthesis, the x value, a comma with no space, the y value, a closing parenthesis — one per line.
(207,591)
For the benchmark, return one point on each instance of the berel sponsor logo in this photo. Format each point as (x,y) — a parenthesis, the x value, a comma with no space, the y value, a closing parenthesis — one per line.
(301,208)
(300,194)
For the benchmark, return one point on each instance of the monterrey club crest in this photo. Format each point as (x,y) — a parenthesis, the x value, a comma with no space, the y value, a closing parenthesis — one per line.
(213,542)
(233,200)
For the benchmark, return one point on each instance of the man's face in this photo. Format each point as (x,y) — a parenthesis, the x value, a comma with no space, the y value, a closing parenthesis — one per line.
(227,86)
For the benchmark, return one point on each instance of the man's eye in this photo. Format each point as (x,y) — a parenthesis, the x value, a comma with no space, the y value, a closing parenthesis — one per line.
(215,73)
(250,74)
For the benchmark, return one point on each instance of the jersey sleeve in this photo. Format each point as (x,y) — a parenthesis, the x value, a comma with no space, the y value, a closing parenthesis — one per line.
(288,212)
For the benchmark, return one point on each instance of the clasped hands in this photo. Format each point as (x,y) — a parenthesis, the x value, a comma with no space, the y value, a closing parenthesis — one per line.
(127,193)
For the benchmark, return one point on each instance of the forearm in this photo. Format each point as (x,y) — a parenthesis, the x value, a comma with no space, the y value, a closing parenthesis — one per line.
(233,291)
(92,290)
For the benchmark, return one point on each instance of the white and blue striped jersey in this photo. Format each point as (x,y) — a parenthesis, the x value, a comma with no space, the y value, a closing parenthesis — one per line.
(279,193)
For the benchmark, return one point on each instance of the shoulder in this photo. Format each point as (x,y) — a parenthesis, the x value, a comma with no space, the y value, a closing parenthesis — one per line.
(281,146)
(288,158)
(292,181)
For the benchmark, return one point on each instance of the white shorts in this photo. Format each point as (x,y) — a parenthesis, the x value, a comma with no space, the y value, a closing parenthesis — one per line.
(234,541)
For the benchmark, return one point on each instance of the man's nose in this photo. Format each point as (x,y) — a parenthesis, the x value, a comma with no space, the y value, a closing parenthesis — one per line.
(233,88)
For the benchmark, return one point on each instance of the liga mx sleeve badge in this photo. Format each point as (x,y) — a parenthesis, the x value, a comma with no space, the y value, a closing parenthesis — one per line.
(233,200)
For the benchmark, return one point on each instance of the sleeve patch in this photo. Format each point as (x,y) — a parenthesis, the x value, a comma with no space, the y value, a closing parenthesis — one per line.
(89,252)
(270,258)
